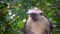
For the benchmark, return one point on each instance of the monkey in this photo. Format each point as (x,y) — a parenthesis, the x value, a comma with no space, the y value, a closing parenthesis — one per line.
(37,23)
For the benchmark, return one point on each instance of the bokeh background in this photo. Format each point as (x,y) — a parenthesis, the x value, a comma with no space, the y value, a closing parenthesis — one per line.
(13,14)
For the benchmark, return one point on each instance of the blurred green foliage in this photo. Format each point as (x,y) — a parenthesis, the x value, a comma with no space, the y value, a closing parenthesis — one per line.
(13,14)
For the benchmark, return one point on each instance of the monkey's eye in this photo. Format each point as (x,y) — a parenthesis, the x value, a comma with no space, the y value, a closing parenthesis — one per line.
(41,14)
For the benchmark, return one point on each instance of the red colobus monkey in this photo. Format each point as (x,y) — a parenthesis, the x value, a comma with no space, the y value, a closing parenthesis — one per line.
(37,23)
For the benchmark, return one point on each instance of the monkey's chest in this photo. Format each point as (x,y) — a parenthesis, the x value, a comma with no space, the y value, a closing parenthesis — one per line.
(38,28)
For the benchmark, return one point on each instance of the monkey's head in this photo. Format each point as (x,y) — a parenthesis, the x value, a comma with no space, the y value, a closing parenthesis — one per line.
(35,14)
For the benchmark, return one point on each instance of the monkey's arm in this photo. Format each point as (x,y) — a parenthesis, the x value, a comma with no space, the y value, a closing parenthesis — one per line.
(49,29)
(26,29)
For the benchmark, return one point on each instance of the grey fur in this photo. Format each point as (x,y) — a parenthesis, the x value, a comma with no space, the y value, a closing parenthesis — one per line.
(41,26)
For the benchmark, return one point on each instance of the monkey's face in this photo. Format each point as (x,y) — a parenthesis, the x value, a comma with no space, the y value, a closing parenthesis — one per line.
(35,16)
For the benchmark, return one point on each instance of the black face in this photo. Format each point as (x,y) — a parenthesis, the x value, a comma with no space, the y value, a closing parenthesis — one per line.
(34,16)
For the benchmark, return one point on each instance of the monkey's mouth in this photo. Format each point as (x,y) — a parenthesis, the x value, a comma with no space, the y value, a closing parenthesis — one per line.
(34,18)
